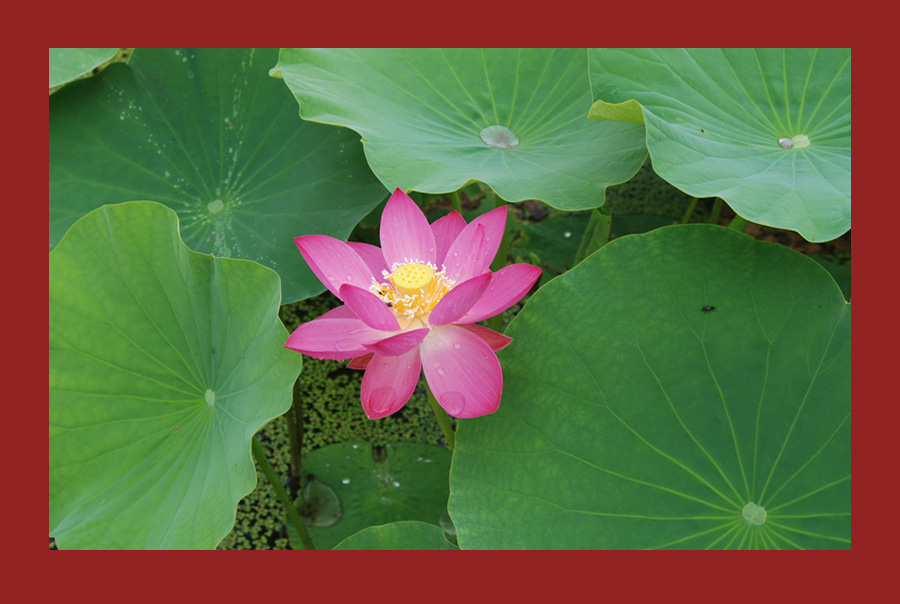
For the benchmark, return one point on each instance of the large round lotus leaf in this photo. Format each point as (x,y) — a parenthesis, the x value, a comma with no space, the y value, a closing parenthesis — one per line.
(67,64)
(211,135)
(632,418)
(433,120)
(163,364)
(402,481)
(715,118)
(398,536)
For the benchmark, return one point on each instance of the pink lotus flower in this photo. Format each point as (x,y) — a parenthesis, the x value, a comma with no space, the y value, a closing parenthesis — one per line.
(412,305)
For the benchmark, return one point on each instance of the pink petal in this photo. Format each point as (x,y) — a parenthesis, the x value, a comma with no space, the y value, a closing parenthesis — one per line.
(459,300)
(405,233)
(332,338)
(360,362)
(398,344)
(446,230)
(369,307)
(459,264)
(462,371)
(334,262)
(389,382)
(371,255)
(497,341)
(473,250)
(507,287)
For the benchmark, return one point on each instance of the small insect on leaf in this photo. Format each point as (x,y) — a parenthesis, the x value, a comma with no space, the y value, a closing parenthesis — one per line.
(708,308)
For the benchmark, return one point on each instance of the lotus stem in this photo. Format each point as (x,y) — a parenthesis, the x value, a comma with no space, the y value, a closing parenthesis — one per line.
(269,472)
(455,201)
(443,420)
(738,223)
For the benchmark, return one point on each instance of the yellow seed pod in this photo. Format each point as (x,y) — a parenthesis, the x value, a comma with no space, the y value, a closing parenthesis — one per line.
(410,278)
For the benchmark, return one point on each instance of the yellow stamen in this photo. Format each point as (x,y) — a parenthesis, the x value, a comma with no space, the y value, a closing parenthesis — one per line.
(411,292)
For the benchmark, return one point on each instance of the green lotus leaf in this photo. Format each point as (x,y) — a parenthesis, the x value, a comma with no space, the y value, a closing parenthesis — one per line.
(434,120)
(375,486)
(840,272)
(767,130)
(398,536)
(554,241)
(687,388)
(208,133)
(163,364)
(68,64)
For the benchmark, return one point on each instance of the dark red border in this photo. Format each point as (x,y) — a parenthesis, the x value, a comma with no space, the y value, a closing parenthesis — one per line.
(479,576)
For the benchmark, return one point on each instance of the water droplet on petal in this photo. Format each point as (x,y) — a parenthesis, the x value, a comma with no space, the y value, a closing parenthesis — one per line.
(345,345)
(349,277)
(381,398)
(457,346)
(500,137)
(440,372)
(453,402)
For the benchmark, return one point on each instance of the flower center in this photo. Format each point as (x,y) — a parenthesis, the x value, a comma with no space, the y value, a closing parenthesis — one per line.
(411,291)
(410,278)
